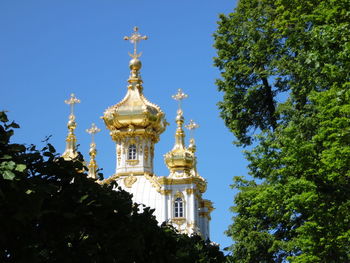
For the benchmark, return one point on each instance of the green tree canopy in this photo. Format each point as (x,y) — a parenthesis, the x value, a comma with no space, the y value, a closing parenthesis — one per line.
(267,48)
(51,212)
(296,207)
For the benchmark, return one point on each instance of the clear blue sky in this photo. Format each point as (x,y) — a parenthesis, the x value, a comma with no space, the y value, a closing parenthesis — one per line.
(49,49)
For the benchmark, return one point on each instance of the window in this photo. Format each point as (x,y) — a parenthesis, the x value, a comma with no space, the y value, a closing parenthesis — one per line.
(132,152)
(178,207)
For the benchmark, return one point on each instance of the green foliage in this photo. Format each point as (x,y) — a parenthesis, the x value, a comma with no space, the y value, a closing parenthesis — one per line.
(266,48)
(296,207)
(51,212)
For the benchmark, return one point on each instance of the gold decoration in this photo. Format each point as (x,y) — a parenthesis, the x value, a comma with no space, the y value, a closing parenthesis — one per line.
(71,102)
(70,152)
(179,195)
(199,181)
(192,126)
(154,182)
(132,162)
(119,154)
(165,191)
(140,147)
(178,220)
(146,154)
(135,38)
(179,158)
(179,96)
(92,164)
(129,181)
(190,191)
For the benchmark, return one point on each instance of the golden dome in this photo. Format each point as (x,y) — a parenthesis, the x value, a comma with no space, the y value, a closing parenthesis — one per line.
(135,113)
(180,158)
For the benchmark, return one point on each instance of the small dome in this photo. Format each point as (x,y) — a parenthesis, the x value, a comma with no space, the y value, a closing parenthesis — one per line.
(179,159)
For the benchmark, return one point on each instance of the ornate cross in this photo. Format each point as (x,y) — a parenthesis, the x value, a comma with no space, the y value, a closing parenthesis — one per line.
(73,100)
(93,130)
(179,96)
(192,126)
(135,38)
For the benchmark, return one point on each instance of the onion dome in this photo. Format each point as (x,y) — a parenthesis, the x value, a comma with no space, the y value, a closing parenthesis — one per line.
(180,160)
(135,114)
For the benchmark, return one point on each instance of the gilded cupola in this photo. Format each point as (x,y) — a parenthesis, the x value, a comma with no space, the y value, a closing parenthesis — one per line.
(180,160)
(135,114)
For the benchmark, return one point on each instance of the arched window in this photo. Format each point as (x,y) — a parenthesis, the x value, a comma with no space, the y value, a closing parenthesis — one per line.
(132,152)
(178,207)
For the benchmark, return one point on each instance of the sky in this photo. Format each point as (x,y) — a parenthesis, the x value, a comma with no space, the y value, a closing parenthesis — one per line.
(50,49)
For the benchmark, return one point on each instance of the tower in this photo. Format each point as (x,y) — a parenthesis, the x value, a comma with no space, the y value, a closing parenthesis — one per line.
(135,125)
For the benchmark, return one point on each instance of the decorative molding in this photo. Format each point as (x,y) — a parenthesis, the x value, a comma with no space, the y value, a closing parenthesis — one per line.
(146,154)
(178,220)
(165,191)
(154,182)
(129,181)
(119,154)
(132,162)
(200,182)
(190,191)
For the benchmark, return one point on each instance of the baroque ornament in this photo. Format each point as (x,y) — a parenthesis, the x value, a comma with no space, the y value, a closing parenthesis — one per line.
(129,181)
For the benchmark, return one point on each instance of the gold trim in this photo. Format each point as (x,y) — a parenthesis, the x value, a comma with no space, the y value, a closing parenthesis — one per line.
(207,204)
(132,162)
(199,181)
(165,191)
(118,175)
(190,191)
(154,182)
(205,214)
(178,220)
(133,173)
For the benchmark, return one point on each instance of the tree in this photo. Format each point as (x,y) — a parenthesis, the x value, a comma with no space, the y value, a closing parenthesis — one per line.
(51,212)
(295,208)
(267,48)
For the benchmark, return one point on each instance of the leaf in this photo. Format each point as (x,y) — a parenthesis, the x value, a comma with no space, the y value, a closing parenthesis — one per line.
(20,167)
(83,198)
(8,175)
(3,116)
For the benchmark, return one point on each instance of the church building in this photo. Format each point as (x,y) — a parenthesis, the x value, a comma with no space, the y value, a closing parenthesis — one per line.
(135,125)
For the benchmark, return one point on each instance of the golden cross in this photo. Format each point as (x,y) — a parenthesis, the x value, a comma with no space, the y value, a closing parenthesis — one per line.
(179,96)
(73,100)
(93,130)
(135,38)
(192,126)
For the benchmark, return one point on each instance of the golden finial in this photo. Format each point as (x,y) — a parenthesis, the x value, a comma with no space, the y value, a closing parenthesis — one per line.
(179,96)
(192,126)
(92,152)
(93,130)
(70,152)
(135,38)
(72,100)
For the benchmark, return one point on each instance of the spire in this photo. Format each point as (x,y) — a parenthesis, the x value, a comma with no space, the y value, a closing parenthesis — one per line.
(192,147)
(180,134)
(92,164)
(179,160)
(135,64)
(192,126)
(71,152)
